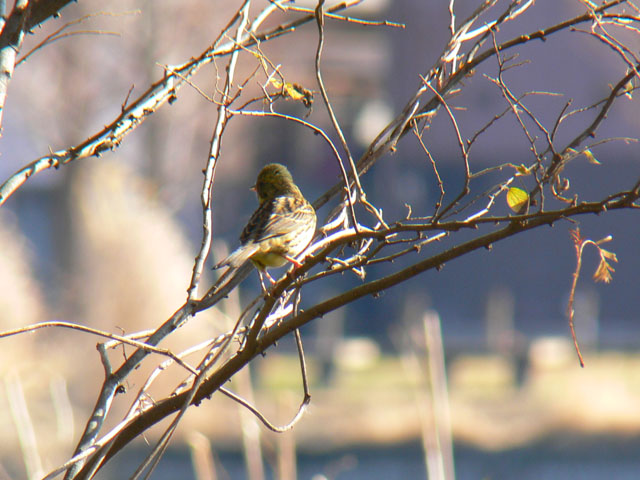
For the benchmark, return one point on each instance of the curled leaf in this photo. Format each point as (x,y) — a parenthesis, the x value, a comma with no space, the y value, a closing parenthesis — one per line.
(294,91)
(608,255)
(604,270)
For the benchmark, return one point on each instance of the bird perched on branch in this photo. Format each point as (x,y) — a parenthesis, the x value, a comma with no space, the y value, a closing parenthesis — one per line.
(282,226)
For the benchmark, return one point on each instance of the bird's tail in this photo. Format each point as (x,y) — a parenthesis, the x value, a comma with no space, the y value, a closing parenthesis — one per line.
(238,256)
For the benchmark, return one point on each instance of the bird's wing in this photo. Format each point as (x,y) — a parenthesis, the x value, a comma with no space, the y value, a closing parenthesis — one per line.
(279,217)
(282,216)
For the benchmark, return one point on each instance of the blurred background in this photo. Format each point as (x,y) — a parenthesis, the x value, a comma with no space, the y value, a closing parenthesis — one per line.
(75,246)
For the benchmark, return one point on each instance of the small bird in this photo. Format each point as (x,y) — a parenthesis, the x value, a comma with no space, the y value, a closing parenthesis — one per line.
(280,229)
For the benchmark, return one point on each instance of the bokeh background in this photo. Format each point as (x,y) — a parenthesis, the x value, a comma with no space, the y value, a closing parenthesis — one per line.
(109,242)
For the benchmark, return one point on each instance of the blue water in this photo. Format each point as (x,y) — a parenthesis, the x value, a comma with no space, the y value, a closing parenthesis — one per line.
(571,458)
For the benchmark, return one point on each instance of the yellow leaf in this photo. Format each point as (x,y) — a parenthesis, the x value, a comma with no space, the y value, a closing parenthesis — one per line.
(522,170)
(628,88)
(592,159)
(517,199)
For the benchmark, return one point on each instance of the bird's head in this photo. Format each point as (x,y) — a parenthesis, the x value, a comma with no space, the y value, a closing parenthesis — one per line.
(273,181)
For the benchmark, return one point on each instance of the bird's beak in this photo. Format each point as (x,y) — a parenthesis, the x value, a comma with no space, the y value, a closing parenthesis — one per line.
(253,188)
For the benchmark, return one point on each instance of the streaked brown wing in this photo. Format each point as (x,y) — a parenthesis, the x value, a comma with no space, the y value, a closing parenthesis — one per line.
(282,216)
(290,215)
(256,223)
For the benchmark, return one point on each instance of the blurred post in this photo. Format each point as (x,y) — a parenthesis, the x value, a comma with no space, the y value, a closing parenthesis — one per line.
(251,442)
(500,321)
(201,456)
(502,337)
(437,440)
(251,435)
(587,311)
(329,333)
(286,442)
(22,421)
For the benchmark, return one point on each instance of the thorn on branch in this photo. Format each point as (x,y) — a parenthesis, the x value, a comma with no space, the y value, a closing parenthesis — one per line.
(123,107)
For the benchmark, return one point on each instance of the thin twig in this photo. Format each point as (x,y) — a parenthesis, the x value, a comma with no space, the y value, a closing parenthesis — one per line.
(418,135)
(301,409)
(58,33)
(212,162)
(319,12)
(82,328)
(348,19)
(463,150)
